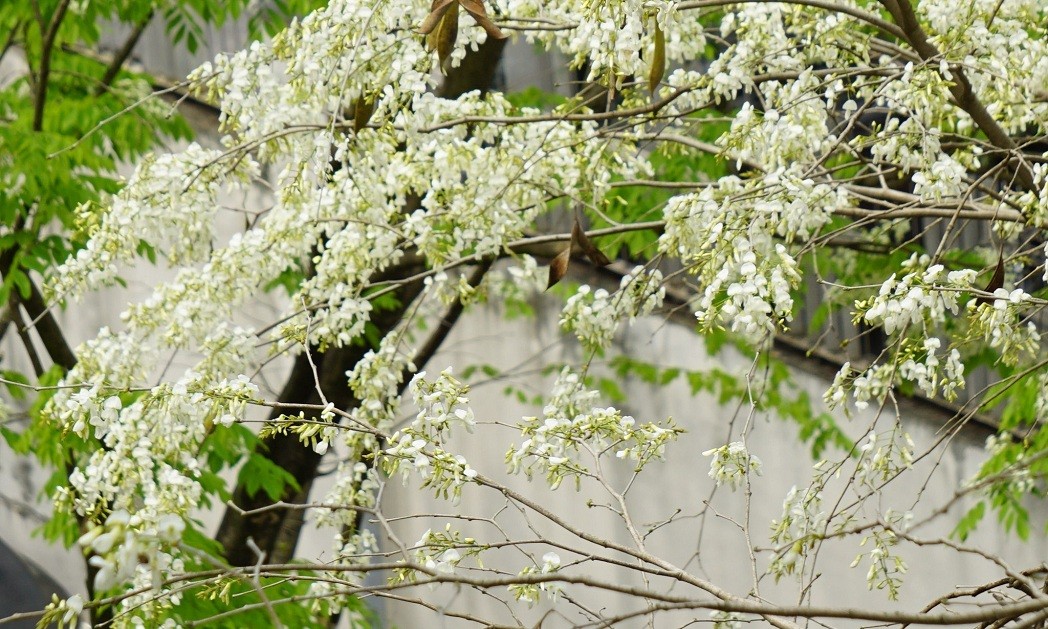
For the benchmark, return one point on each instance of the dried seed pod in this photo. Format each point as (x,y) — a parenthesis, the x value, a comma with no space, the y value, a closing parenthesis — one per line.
(997,281)
(558,266)
(658,60)
(363,109)
(480,14)
(443,38)
(436,14)
(579,238)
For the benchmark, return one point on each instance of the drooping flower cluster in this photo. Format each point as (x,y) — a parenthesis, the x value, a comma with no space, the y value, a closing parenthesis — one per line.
(731,233)
(886,567)
(573,425)
(798,530)
(616,38)
(1000,325)
(914,303)
(732,464)
(884,456)
(594,315)
(419,448)
(170,204)
(124,544)
(150,445)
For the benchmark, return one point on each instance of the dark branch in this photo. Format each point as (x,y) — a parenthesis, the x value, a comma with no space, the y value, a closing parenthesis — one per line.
(46,48)
(27,341)
(50,332)
(40,316)
(448,321)
(960,88)
(122,55)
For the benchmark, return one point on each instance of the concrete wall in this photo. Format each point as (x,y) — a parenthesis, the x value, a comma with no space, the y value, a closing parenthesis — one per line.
(706,541)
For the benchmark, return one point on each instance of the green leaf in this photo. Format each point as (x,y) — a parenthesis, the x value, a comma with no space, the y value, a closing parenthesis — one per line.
(62,527)
(261,473)
(16,383)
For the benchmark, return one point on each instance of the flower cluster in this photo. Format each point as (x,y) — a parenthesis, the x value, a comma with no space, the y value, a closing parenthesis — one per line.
(531,592)
(236,394)
(442,551)
(68,610)
(883,457)
(151,442)
(920,364)
(874,383)
(356,486)
(886,567)
(616,37)
(917,361)
(792,129)
(375,381)
(442,406)
(1000,325)
(798,530)
(125,543)
(439,552)
(916,302)
(727,233)
(170,203)
(732,463)
(572,424)
(944,178)
(594,315)
(999,55)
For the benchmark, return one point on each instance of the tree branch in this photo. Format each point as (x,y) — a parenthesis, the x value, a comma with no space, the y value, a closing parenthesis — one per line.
(47,46)
(122,55)
(40,316)
(27,341)
(48,329)
(960,88)
(10,40)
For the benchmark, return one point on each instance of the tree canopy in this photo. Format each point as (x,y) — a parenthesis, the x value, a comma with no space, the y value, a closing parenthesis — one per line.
(743,157)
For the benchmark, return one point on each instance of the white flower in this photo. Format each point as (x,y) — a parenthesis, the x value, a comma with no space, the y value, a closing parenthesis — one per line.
(74,606)
(550,562)
(170,527)
(732,463)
